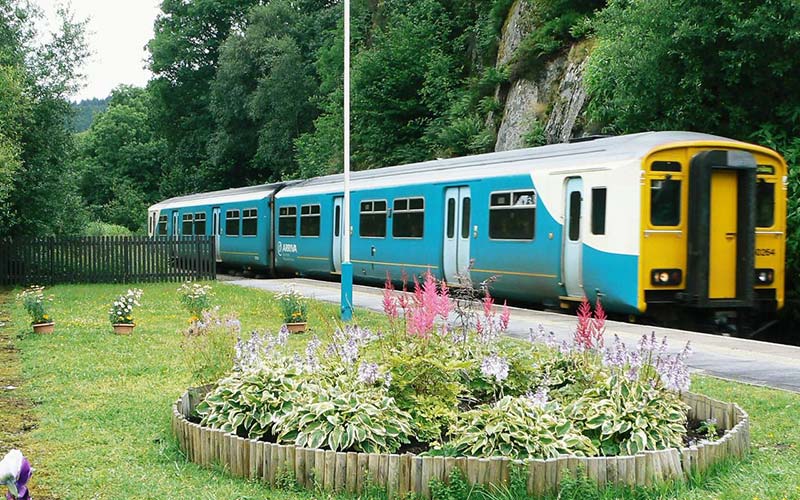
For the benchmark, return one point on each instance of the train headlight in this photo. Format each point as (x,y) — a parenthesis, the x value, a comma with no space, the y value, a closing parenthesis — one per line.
(666,277)
(765,276)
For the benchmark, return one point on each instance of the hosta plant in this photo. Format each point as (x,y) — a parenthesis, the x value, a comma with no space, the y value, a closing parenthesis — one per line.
(518,427)
(346,415)
(625,416)
(250,403)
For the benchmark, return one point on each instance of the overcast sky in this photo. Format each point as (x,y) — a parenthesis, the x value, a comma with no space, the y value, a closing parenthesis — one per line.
(117,34)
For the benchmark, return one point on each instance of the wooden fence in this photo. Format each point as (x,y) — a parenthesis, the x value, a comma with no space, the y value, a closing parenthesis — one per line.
(406,474)
(105,259)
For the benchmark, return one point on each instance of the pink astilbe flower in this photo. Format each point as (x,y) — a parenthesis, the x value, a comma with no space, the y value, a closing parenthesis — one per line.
(389,300)
(505,317)
(445,305)
(591,327)
(488,305)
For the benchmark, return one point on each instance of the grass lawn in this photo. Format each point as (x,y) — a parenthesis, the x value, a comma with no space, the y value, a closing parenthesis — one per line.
(92,411)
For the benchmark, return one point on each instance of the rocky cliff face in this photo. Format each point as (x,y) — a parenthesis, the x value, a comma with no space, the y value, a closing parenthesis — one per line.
(548,107)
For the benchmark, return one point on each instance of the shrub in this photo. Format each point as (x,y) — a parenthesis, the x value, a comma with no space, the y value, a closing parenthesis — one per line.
(36,304)
(518,427)
(105,229)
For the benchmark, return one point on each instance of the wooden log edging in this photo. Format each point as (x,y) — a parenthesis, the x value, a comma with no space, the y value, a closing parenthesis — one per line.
(400,475)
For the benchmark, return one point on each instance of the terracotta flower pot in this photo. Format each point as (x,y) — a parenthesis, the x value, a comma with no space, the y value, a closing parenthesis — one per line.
(297,327)
(123,328)
(43,327)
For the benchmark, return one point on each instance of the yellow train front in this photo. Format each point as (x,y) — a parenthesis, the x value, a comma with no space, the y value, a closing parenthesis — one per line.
(713,227)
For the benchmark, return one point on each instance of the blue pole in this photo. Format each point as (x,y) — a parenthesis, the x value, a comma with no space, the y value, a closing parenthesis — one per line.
(347,291)
(347,266)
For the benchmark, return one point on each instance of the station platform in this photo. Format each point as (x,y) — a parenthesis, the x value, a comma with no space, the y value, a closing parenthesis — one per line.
(742,360)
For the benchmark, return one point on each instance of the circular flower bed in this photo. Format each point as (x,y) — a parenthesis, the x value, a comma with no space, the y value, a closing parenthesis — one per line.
(429,388)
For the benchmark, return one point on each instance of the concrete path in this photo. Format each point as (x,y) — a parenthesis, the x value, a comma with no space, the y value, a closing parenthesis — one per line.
(750,361)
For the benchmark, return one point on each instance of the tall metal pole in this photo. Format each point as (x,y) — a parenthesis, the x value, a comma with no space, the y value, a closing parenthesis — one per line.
(347,266)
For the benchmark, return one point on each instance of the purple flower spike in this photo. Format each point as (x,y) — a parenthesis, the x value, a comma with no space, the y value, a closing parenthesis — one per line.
(22,482)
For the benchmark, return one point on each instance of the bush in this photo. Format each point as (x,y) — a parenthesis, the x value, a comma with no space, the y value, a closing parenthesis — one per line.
(98,228)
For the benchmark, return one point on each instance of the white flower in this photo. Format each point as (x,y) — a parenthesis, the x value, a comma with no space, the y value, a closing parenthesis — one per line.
(10,466)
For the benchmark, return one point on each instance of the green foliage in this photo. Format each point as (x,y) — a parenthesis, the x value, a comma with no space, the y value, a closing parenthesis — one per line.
(680,65)
(623,416)
(554,25)
(251,403)
(426,382)
(121,157)
(340,414)
(535,136)
(97,228)
(516,428)
(85,112)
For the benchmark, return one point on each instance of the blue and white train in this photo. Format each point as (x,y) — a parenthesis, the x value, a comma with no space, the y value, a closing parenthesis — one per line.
(652,221)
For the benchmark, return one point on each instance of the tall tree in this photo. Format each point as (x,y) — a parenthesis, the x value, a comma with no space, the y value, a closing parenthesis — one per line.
(37,72)
(184,56)
(121,156)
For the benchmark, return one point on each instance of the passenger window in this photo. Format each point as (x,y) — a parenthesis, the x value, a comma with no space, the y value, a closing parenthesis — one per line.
(512,215)
(372,223)
(598,210)
(408,215)
(451,218)
(249,222)
(574,216)
(232,223)
(665,202)
(310,220)
(162,225)
(765,204)
(186,230)
(200,223)
(287,221)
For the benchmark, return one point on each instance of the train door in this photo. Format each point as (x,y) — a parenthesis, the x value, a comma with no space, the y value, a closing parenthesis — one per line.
(215,225)
(175,224)
(722,235)
(336,251)
(457,219)
(572,258)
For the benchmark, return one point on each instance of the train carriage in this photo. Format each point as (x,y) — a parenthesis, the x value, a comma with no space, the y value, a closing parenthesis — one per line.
(240,220)
(645,221)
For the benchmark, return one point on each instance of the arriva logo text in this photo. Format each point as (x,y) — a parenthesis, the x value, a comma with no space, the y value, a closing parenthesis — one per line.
(286,248)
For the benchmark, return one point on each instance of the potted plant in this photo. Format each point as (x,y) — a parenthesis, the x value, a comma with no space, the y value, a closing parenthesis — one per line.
(36,305)
(294,309)
(121,312)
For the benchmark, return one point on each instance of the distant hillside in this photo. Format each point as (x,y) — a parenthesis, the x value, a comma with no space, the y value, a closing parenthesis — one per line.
(85,112)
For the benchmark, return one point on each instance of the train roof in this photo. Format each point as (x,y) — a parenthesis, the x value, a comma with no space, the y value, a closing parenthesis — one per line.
(218,197)
(577,155)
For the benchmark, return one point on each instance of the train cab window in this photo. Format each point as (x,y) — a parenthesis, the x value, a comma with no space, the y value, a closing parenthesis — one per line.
(309,220)
(665,202)
(598,210)
(249,222)
(162,225)
(188,221)
(408,215)
(231,223)
(287,221)
(200,223)
(765,204)
(512,215)
(372,223)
